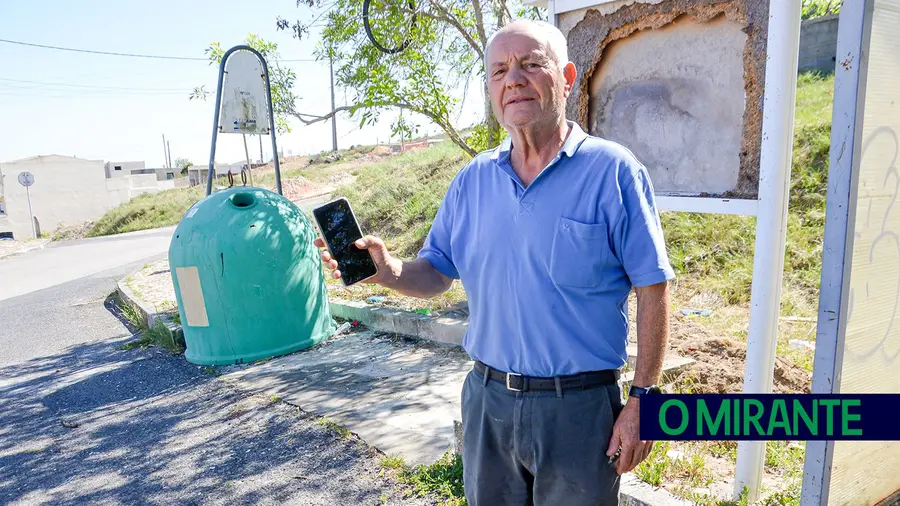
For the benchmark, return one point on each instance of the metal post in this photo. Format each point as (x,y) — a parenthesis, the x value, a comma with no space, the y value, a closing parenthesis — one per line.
(271,125)
(30,213)
(247,155)
(771,224)
(211,173)
(334,116)
(169,148)
(165,152)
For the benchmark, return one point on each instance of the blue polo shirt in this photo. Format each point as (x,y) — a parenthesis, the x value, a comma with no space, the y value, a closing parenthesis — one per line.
(548,268)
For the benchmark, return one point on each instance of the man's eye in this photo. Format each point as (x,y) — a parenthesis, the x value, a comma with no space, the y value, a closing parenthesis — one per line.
(498,72)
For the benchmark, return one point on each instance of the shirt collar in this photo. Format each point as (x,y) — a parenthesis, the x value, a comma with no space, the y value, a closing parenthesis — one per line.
(570,147)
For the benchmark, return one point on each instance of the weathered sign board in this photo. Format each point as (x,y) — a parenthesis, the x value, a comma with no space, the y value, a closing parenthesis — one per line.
(244,98)
(858,340)
(678,82)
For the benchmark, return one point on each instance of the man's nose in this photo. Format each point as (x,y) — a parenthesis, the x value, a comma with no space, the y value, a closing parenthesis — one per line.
(515,78)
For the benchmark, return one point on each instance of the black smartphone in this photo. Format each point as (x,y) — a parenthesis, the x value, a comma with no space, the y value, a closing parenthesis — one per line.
(339,228)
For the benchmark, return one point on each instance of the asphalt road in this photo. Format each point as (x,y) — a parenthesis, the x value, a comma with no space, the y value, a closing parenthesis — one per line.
(85,422)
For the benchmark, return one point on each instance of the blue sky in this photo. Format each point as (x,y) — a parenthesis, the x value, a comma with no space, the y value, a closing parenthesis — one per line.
(117,108)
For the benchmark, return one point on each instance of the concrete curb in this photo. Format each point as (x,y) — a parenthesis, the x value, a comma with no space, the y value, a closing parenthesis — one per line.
(634,492)
(147,311)
(433,328)
(31,247)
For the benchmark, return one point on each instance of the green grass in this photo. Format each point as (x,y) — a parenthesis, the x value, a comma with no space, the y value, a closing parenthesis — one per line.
(443,479)
(158,335)
(212,371)
(150,210)
(654,469)
(338,429)
(398,197)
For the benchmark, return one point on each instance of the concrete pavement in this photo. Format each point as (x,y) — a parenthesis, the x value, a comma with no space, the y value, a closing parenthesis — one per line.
(67,261)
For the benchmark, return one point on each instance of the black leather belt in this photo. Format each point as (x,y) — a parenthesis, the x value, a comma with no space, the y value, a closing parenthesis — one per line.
(520,383)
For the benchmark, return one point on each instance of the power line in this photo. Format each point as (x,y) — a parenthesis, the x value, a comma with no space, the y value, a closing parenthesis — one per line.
(129,55)
(72,85)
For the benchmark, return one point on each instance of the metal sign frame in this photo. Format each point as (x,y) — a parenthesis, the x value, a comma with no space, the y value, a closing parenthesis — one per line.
(211,175)
(854,40)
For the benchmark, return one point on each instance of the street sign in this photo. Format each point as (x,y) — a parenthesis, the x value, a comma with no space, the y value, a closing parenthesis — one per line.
(26,179)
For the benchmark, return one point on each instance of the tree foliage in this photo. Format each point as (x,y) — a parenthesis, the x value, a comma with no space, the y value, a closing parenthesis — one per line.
(817,8)
(184,164)
(446,39)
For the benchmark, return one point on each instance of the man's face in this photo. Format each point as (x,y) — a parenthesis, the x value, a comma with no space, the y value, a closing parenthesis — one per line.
(525,84)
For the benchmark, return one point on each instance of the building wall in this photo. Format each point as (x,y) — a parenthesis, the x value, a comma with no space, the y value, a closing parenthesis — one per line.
(818,43)
(126,168)
(66,190)
(163,174)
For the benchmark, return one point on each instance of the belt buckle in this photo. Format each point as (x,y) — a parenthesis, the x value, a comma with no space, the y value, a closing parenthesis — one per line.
(508,387)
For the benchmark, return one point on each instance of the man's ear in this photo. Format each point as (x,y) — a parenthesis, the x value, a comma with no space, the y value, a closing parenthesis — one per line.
(569,72)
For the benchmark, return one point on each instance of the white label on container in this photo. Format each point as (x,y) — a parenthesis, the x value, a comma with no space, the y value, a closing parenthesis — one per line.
(192,296)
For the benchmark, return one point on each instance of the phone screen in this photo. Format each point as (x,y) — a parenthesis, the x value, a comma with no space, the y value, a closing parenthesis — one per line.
(340,231)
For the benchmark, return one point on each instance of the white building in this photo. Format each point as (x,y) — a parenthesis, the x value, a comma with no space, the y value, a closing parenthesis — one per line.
(66,190)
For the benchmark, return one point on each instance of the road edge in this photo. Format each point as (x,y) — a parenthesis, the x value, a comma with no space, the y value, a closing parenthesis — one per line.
(37,245)
(148,313)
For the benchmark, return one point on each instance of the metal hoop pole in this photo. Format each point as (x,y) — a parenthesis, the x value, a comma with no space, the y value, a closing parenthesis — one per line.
(271,123)
(212,150)
(211,172)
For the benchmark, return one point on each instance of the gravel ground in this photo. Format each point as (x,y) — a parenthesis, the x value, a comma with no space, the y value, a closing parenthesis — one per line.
(95,424)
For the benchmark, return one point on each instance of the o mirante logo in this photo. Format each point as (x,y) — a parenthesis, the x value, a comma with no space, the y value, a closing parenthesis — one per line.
(770,417)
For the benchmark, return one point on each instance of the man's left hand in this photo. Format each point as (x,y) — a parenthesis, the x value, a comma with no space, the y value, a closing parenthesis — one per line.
(627,436)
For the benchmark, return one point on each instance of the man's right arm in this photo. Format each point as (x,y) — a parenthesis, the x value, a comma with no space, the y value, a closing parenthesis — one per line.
(418,278)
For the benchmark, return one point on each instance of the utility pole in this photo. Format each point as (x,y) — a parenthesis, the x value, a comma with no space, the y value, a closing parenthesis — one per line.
(165,156)
(334,117)
(169,148)
(402,136)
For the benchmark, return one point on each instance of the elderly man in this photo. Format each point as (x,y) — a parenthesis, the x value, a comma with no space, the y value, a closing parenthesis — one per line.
(548,233)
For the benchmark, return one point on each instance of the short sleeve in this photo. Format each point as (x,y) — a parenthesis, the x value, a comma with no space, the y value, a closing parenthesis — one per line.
(437,249)
(639,234)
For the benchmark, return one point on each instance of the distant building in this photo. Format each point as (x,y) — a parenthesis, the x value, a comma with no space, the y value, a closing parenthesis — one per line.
(122,169)
(68,190)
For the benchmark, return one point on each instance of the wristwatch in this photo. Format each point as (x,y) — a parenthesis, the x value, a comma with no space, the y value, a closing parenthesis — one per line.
(639,391)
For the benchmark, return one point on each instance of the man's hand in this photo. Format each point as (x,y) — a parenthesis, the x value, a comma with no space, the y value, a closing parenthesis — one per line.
(627,436)
(385,263)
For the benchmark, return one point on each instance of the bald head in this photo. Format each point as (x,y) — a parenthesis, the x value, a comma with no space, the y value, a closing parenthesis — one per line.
(549,36)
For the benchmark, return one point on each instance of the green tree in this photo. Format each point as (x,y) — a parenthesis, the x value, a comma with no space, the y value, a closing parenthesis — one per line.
(817,8)
(184,164)
(446,42)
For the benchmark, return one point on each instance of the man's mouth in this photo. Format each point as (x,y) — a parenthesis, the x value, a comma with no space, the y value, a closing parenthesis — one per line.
(519,100)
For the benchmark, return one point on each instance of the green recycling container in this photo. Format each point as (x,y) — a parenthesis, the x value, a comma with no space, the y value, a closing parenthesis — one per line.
(248,278)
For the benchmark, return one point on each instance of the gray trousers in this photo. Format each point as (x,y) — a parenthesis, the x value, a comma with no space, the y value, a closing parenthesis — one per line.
(534,448)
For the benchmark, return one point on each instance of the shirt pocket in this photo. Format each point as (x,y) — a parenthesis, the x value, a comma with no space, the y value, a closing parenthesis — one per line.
(579,253)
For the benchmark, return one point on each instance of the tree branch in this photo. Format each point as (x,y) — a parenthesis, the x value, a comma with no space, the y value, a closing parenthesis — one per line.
(447,127)
(447,17)
(479,23)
